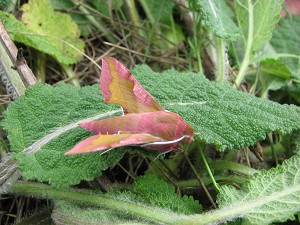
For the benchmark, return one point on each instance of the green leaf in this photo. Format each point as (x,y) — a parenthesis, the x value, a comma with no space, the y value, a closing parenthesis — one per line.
(173,34)
(40,18)
(217,16)
(257,19)
(147,191)
(91,206)
(286,39)
(219,114)
(272,75)
(38,122)
(42,125)
(270,196)
(19,33)
(275,67)
(80,18)
(59,27)
(151,190)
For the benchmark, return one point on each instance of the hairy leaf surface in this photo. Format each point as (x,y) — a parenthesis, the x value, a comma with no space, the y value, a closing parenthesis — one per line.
(42,125)
(33,122)
(153,191)
(219,114)
(68,212)
(270,196)
(148,191)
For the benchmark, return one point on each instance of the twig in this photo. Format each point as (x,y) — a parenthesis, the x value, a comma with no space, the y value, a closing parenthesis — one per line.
(10,58)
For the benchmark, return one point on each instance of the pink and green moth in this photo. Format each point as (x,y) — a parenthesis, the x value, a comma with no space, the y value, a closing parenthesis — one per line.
(144,123)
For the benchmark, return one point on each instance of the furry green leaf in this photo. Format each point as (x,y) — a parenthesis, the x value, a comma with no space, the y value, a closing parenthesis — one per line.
(151,190)
(219,114)
(42,125)
(270,196)
(37,123)
(148,193)
(67,212)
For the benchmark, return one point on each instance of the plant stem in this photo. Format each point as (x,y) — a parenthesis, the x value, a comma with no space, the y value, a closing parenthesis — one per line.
(40,70)
(147,10)
(220,59)
(9,76)
(246,60)
(233,167)
(200,68)
(71,75)
(133,13)
(195,44)
(193,183)
(217,187)
(45,191)
(198,45)
(274,154)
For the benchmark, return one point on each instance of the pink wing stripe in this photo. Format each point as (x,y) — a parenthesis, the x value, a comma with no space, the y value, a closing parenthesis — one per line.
(101,142)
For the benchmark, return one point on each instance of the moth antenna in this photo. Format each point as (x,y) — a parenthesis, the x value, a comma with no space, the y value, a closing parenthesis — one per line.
(165,142)
(105,151)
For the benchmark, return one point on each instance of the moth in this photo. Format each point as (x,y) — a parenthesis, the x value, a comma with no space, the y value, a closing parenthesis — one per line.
(145,123)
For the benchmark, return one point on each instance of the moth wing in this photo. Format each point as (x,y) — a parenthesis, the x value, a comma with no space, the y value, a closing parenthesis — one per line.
(118,86)
(101,142)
